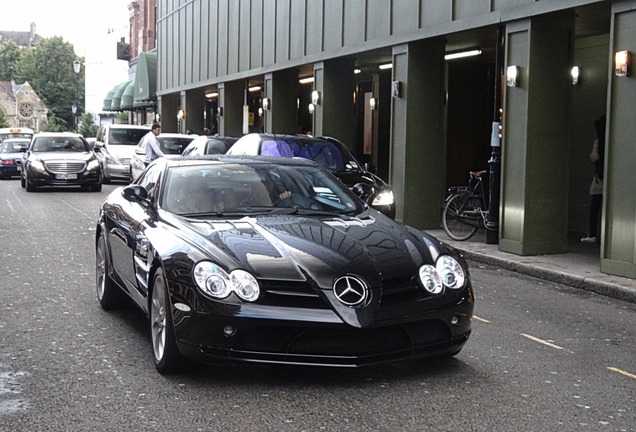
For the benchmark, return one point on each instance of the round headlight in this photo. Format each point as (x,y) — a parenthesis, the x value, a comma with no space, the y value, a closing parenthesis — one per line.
(383,198)
(430,279)
(245,285)
(450,272)
(211,279)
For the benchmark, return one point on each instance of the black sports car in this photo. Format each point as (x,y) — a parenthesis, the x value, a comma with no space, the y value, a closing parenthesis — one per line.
(328,152)
(263,260)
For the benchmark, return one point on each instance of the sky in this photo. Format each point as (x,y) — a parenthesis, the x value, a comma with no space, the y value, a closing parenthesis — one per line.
(83,23)
(93,27)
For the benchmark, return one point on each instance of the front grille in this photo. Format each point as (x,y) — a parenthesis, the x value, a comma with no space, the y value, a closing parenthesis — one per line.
(65,166)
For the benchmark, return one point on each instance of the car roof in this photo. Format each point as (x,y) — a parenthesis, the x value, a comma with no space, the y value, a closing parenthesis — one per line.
(176,135)
(249,159)
(57,134)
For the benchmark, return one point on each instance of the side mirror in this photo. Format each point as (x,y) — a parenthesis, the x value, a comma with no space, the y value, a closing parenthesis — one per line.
(137,194)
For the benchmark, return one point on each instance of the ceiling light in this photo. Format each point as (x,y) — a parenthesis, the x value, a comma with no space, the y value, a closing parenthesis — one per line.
(462,54)
(386,66)
(254,89)
(212,95)
(307,80)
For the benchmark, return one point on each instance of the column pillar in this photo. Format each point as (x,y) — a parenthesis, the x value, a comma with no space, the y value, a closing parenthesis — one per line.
(418,132)
(231,96)
(281,89)
(534,186)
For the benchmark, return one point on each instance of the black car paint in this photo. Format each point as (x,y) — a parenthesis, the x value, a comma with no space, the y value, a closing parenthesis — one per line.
(288,255)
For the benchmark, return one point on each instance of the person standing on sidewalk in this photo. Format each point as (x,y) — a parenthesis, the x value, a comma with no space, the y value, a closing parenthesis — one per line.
(150,144)
(596,188)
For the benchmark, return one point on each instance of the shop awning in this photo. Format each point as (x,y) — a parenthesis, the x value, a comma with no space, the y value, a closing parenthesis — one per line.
(108,99)
(145,87)
(126,103)
(115,104)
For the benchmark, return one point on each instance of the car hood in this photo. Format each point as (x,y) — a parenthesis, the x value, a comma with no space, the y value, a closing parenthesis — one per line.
(121,151)
(11,156)
(62,155)
(351,178)
(312,250)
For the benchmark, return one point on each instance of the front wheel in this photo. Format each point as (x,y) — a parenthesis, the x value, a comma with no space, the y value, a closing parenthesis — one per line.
(109,295)
(164,347)
(457,224)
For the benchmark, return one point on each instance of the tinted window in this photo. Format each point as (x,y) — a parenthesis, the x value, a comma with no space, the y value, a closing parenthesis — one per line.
(122,136)
(173,146)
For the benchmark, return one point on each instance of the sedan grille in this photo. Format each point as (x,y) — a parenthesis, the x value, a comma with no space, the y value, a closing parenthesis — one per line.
(65,166)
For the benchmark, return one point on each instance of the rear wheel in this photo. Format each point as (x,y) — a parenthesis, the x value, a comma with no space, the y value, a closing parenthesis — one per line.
(22,182)
(457,223)
(164,347)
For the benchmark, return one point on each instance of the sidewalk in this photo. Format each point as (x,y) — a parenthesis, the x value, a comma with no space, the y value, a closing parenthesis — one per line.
(578,268)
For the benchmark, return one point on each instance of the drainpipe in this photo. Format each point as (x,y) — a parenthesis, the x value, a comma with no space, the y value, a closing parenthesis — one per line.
(494,164)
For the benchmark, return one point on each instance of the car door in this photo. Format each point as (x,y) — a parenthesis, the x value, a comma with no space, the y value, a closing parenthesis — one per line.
(127,237)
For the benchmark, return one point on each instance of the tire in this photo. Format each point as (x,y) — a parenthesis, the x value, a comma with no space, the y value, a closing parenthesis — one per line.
(109,295)
(29,186)
(455,228)
(165,353)
(22,182)
(96,187)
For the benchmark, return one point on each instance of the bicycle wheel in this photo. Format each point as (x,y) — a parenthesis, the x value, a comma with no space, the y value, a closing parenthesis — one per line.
(457,224)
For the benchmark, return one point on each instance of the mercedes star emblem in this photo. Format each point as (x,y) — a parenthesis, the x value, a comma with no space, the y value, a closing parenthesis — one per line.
(350,290)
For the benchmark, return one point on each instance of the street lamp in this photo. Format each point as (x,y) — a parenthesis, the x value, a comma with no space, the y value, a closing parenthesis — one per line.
(76,69)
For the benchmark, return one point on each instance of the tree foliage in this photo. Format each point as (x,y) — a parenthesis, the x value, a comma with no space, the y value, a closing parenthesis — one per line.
(87,127)
(3,119)
(48,67)
(10,55)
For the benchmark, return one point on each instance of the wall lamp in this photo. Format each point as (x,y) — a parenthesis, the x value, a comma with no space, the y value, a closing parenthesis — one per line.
(315,97)
(266,104)
(181,114)
(576,75)
(513,78)
(312,108)
(623,63)
(219,111)
(373,104)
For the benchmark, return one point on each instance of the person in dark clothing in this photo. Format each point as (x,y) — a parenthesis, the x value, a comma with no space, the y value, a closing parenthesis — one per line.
(596,188)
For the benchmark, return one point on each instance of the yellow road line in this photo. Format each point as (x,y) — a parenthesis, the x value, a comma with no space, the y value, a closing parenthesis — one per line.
(480,319)
(544,342)
(631,375)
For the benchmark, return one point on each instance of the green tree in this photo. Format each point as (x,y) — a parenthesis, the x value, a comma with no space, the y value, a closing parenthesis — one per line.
(3,119)
(49,69)
(53,124)
(10,55)
(87,127)
(121,118)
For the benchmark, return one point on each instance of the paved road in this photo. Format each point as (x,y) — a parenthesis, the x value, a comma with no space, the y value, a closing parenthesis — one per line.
(542,357)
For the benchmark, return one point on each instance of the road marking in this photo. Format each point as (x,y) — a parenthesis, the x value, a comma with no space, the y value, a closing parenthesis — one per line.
(481,319)
(544,342)
(631,375)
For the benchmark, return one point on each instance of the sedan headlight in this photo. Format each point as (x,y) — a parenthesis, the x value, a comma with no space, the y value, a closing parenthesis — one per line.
(446,272)
(383,198)
(217,283)
(93,165)
(37,165)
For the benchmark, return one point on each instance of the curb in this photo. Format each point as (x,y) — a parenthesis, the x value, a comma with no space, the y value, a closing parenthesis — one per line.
(605,288)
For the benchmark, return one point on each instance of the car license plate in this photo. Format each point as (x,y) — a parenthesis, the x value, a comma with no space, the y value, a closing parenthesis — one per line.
(19,168)
(66,176)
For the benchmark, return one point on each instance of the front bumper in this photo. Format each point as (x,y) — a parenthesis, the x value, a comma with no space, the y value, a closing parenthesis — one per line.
(250,333)
(114,171)
(46,178)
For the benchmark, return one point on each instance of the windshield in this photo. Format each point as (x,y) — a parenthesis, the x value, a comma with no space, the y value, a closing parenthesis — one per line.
(66,144)
(173,146)
(231,188)
(14,145)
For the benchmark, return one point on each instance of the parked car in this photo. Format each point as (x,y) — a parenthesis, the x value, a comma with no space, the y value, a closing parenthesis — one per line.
(11,156)
(272,260)
(117,144)
(60,159)
(328,152)
(205,144)
(172,144)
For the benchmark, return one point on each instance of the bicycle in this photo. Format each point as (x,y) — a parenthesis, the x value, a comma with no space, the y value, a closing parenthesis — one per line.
(465,209)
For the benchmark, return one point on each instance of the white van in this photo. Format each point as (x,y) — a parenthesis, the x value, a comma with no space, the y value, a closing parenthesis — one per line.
(115,144)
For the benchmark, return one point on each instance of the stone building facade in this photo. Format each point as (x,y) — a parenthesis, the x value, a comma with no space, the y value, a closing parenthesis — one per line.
(21,105)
